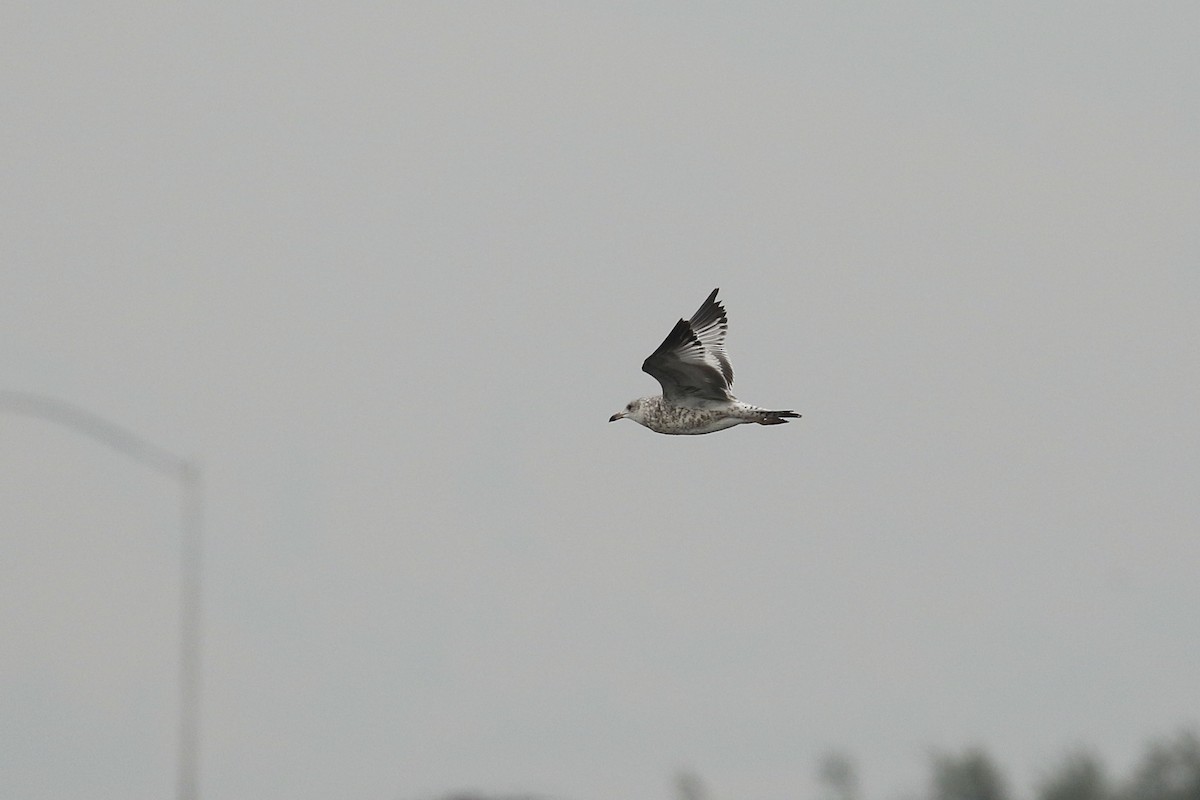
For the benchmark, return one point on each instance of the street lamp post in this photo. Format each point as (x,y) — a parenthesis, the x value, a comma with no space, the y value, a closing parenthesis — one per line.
(192,518)
(187,473)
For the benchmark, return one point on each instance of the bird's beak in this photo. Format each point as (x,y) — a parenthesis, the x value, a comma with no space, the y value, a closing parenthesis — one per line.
(617,416)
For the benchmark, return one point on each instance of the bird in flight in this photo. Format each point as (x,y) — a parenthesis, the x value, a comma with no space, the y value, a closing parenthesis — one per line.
(696,377)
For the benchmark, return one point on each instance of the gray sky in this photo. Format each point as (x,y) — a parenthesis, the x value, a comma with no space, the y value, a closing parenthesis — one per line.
(387,270)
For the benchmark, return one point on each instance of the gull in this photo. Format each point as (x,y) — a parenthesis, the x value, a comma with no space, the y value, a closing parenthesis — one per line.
(696,377)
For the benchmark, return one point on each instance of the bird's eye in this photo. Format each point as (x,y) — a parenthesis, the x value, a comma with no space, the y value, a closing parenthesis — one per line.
(629,407)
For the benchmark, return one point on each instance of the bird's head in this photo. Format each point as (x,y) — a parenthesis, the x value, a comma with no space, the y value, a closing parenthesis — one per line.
(633,410)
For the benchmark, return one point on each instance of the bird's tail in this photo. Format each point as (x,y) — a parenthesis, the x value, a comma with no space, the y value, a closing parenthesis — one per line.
(775,417)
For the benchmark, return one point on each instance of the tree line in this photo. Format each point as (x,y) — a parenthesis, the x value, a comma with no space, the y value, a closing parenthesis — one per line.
(1169,769)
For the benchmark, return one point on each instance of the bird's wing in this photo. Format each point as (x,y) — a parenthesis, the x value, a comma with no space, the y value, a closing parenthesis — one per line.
(691,363)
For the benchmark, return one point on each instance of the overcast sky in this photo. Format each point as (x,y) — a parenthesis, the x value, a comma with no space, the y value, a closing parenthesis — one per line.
(387,270)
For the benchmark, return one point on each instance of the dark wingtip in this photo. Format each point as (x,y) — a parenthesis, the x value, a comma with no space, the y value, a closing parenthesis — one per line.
(711,310)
